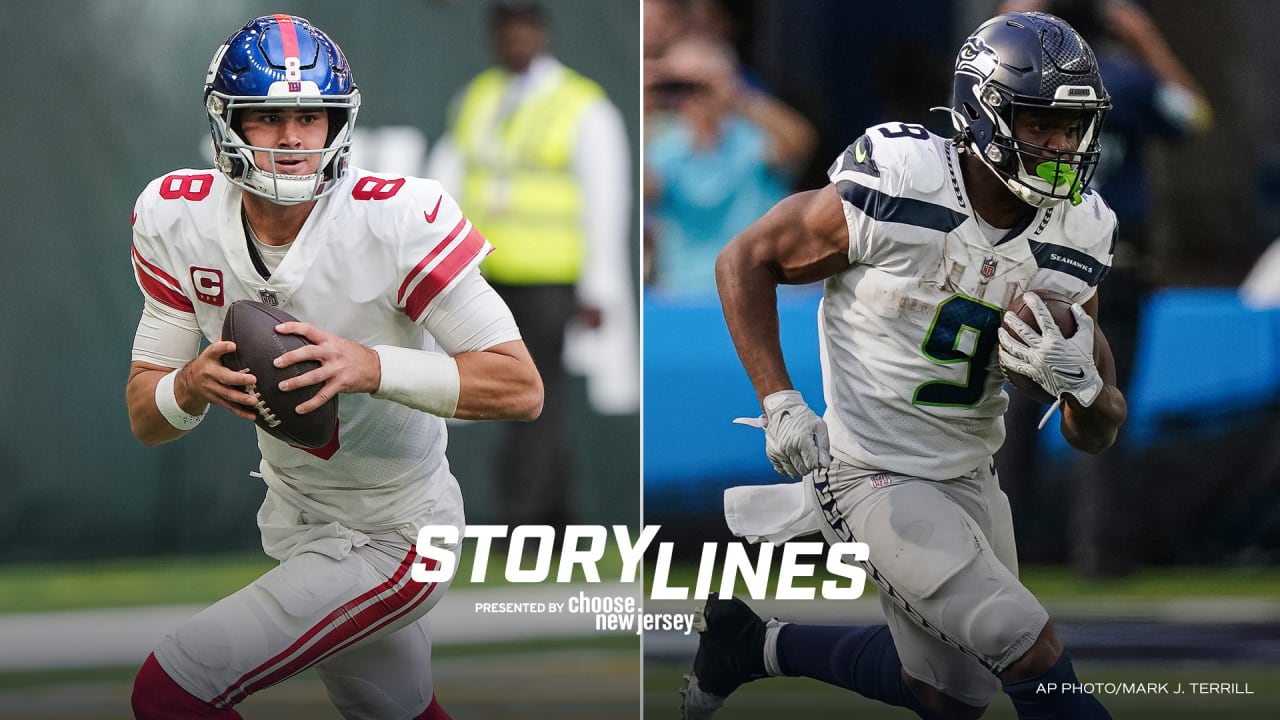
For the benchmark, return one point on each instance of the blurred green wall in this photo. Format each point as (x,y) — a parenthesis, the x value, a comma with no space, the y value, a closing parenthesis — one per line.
(101,96)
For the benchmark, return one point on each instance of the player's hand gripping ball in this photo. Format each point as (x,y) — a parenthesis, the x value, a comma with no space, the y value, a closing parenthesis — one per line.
(1060,308)
(252,327)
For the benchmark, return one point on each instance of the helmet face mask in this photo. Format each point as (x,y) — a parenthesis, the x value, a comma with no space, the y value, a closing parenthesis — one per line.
(280,61)
(1031,70)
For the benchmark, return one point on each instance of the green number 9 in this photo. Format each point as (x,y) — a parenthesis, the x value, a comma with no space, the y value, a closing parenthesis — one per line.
(963,331)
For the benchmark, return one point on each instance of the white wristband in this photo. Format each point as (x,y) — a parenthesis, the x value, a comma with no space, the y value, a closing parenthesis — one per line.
(422,380)
(167,404)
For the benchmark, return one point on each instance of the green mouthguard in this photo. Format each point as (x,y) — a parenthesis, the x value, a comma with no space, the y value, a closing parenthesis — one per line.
(1058,174)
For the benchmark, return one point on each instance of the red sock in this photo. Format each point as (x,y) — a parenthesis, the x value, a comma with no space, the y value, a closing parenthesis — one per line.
(157,697)
(434,711)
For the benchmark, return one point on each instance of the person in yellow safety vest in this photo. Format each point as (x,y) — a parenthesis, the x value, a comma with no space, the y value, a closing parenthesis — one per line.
(539,160)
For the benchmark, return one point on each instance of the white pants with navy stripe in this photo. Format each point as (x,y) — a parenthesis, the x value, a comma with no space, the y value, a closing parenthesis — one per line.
(943,557)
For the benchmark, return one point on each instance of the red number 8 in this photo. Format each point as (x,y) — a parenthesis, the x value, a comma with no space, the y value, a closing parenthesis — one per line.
(376,188)
(186,187)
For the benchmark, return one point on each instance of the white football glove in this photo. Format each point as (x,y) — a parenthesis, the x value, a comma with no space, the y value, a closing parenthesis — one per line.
(795,437)
(1057,364)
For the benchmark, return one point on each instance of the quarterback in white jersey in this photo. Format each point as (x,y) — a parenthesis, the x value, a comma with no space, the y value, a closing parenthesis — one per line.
(372,270)
(921,242)
(381,272)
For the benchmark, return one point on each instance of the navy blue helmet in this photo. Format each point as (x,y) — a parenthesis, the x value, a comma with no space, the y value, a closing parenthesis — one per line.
(1021,62)
(280,61)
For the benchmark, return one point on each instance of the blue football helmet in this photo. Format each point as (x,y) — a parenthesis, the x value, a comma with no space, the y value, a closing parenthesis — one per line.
(280,61)
(1020,62)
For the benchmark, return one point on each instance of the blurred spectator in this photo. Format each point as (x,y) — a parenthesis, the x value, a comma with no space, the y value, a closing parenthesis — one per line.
(1153,98)
(727,21)
(717,156)
(539,159)
(665,21)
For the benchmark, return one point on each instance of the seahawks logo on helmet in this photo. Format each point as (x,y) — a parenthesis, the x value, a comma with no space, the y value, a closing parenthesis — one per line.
(977,58)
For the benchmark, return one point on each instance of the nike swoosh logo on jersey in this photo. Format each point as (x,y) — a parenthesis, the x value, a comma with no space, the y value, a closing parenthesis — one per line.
(431,216)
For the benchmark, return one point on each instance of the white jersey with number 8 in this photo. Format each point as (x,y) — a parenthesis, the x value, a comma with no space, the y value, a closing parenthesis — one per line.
(373,258)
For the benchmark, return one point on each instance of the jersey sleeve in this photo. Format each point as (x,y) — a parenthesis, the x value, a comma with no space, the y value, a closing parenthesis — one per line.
(439,245)
(888,177)
(153,269)
(164,337)
(857,179)
(1090,232)
(471,317)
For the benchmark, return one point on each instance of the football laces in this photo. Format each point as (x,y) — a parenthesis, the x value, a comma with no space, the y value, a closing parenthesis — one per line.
(260,405)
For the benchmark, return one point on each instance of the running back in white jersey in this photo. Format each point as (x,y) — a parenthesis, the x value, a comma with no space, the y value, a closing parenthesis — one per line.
(372,258)
(909,331)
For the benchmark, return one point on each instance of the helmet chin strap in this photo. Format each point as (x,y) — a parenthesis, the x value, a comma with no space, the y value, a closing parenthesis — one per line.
(284,189)
(1016,186)
(1020,185)
(1024,185)
(1031,197)
(280,188)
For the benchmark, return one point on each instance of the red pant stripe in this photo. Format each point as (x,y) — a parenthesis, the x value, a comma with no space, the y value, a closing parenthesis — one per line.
(341,627)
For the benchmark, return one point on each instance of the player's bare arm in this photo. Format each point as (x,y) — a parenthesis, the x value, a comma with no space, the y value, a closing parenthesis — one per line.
(1093,429)
(802,239)
(198,384)
(497,383)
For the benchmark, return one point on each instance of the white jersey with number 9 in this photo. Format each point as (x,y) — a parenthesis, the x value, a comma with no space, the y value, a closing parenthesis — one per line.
(909,331)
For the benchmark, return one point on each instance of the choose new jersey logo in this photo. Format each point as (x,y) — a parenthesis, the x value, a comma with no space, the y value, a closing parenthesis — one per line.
(208,285)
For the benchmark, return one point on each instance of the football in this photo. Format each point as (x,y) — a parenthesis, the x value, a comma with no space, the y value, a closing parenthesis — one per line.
(1060,308)
(252,327)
